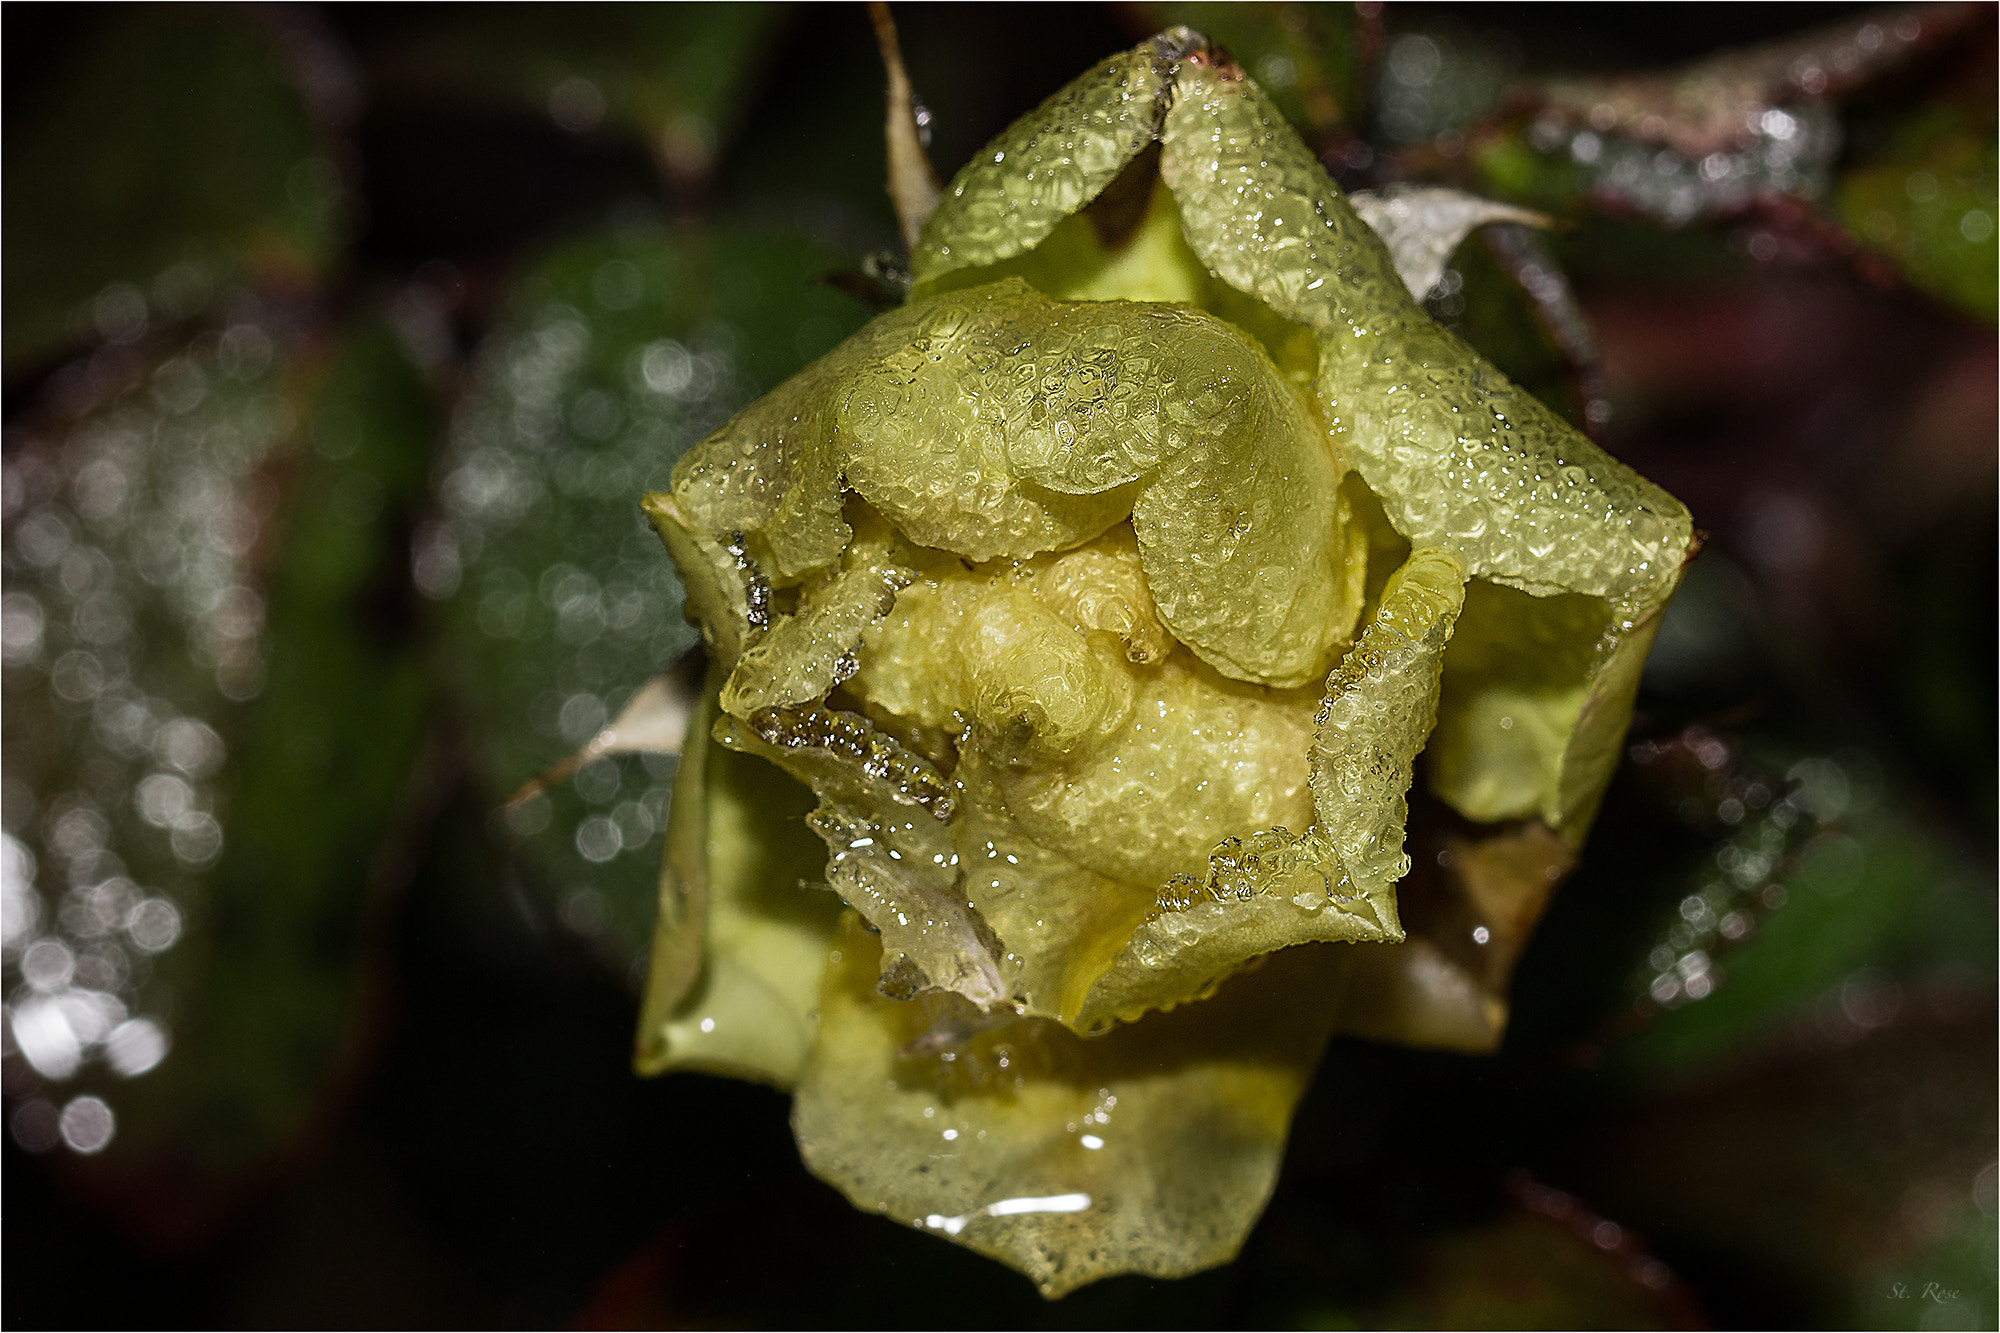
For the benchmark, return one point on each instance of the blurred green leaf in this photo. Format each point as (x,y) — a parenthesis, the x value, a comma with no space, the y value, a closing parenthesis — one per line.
(616,353)
(269,989)
(1875,904)
(169,160)
(673,76)
(1929,203)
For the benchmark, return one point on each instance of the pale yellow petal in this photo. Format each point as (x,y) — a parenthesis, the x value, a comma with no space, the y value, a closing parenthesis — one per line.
(1150,1150)
(808,652)
(1049,163)
(1460,457)
(743,925)
(885,816)
(1336,880)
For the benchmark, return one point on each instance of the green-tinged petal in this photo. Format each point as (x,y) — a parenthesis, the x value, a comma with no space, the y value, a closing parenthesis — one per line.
(680,926)
(1260,211)
(1464,458)
(933,428)
(1460,457)
(1050,162)
(1150,1150)
(725,594)
(1337,880)
(770,474)
(1381,702)
(1063,922)
(742,933)
(1599,736)
(1538,692)
(995,422)
(1515,679)
(1249,551)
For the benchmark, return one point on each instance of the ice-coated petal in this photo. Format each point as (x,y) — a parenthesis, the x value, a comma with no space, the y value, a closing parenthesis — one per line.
(1460,457)
(1150,1150)
(1050,162)
(1381,702)
(1337,879)
(742,933)
(727,596)
(771,475)
(885,816)
(808,652)
(932,431)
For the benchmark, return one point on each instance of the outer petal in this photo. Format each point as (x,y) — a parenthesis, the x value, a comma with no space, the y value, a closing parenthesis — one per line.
(1459,456)
(1150,1150)
(1050,162)
(741,937)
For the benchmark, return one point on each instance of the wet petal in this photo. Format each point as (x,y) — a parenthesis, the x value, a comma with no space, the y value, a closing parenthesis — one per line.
(1050,162)
(1337,879)
(808,652)
(1460,457)
(884,815)
(1469,916)
(741,937)
(1150,1150)
(929,428)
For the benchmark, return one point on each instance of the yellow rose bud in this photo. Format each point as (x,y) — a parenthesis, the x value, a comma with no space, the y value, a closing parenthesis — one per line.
(1103,595)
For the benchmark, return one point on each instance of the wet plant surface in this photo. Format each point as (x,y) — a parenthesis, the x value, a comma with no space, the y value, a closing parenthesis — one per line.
(332,376)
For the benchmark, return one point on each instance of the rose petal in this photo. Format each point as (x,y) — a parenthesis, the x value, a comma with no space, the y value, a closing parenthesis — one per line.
(1515,679)
(1470,912)
(808,652)
(741,939)
(1150,1150)
(1049,163)
(1459,456)
(884,815)
(1337,880)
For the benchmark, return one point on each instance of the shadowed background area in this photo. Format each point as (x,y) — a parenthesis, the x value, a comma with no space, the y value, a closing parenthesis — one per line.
(338,345)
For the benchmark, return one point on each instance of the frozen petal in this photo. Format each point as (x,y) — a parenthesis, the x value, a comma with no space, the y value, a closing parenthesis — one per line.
(1336,880)
(931,430)
(808,652)
(1460,457)
(1149,1150)
(1050,162)
(885,817)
